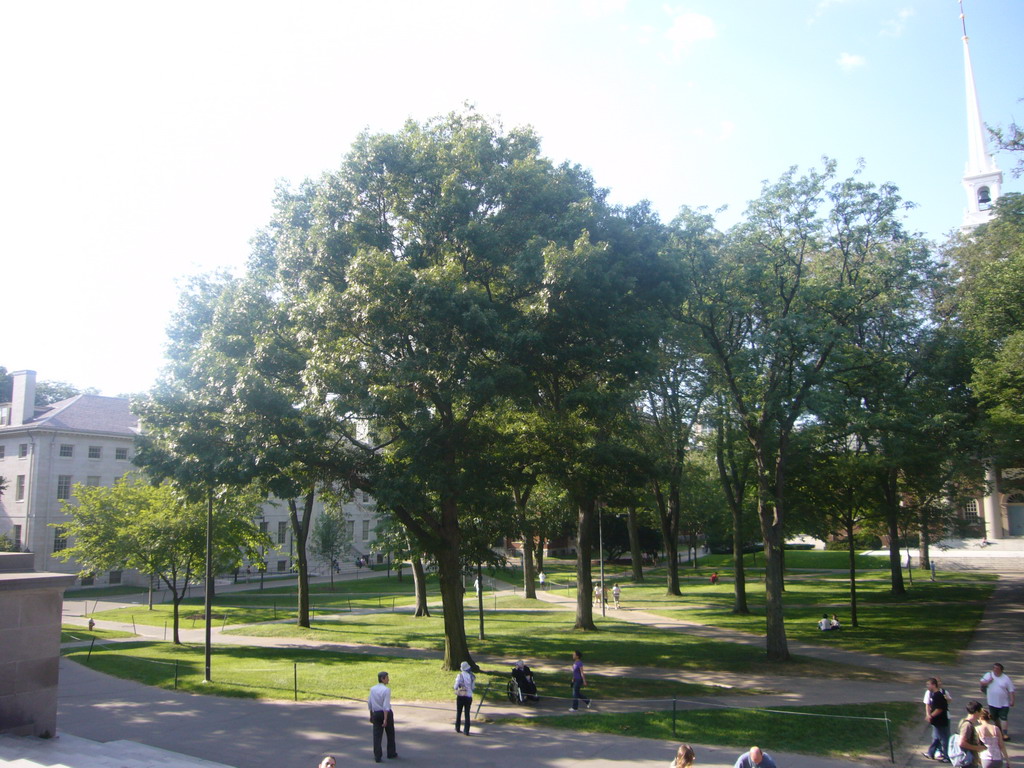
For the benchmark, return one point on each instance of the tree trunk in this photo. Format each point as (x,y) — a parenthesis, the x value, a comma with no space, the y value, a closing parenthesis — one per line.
(769,510)
(419,580)
(924,523)
(584,583)
(635,556)
(529,575)
(456,647)
(668,517)
(480,599)
(892,520)
(734,491)
(853,571)
(300,532)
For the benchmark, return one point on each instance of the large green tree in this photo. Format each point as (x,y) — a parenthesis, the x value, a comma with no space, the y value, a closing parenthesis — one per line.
(155,530)
(773,301)
(425,255)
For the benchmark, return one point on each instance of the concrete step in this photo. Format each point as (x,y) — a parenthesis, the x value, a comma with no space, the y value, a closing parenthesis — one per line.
(68,751)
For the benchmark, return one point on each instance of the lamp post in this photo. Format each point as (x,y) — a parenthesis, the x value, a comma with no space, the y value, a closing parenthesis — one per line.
(600,551)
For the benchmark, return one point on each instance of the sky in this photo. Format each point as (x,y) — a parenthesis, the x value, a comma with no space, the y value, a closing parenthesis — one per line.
(142,141)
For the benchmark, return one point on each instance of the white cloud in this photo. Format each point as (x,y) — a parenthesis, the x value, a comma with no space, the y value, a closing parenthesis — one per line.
(821,8)
(689,28)
(894,27)
(726,129)
(850,61)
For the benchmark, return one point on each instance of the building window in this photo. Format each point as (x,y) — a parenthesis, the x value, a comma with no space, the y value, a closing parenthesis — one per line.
(22,450)
(95,451)
(115,577)
(86,581)
(263,526)
(282,566)
(282,532)
(121,454)
(93,481)
(3,450)
(364,496)
(350,529)
(366,530)
(63,486)
(971,509)
(66,451)
(5,415)
(17,538)
(60,539)
(19,488)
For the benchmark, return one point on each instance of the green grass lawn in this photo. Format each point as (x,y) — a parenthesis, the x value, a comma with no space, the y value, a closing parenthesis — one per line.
(191,616)
(71,633)
(932,633)
(835,735)
(90,593)
(274,673)
(548,636)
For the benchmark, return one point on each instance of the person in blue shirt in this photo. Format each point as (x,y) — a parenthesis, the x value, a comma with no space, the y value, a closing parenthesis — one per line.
(755,758)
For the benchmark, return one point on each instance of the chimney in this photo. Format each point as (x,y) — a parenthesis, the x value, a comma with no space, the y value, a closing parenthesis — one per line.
(23,397)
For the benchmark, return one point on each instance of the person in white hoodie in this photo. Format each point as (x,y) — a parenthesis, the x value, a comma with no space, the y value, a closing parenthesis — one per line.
(464,682)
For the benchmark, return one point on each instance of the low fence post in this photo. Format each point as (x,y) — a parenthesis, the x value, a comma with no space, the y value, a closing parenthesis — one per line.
(89,654)
(295,679)
(175,674)
(674,702)
(888,735)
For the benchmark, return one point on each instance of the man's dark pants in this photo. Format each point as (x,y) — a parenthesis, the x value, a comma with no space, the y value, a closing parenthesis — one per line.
(379,729)
(940,740)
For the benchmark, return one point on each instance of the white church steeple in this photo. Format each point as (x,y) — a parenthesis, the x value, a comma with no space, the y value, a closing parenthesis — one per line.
(982,178)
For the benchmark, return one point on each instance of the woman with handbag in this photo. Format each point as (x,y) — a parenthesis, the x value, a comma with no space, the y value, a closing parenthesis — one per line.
(464,682)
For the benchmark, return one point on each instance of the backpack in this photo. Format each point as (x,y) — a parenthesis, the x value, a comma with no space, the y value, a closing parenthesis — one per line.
(960,758)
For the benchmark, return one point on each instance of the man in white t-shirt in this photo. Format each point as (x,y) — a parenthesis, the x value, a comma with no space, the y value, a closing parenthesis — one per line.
(999,694)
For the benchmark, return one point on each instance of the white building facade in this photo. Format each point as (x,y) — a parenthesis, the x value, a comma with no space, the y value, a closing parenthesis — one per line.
(90,440)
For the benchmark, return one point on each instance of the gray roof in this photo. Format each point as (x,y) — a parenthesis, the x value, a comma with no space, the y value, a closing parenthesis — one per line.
(85,413)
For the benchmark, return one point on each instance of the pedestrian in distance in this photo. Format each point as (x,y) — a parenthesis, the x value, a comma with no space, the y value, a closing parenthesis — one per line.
(383,719)
(999,695)
(685,757)
(542,578)
(579,681)
(464,682)
(755,758)
(936,714)
(616,594)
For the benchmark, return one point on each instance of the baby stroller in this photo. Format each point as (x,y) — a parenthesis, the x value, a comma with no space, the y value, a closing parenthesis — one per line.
(521,687)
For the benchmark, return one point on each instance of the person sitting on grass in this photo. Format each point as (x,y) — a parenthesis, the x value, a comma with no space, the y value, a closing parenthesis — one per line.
(834,622)
(824,625)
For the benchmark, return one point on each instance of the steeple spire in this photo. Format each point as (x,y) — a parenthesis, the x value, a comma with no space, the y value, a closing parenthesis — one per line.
(982,178)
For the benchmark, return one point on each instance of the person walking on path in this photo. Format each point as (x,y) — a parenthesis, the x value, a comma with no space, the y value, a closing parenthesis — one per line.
(968,732)
(542,578)
(1000,695)
(464,682)
(579,680)
(936,714)
(616,594)
(755,758)
(381,716)
(991,735)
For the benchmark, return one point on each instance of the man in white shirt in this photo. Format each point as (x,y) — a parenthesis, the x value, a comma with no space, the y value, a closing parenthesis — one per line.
(381,716)
(999,693)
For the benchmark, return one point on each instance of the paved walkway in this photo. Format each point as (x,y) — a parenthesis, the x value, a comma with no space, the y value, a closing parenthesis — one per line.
(258,734)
